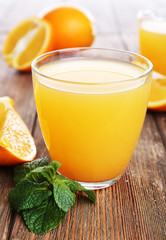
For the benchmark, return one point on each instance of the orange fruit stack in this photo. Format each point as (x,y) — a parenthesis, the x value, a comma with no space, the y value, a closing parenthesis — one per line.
(16,142)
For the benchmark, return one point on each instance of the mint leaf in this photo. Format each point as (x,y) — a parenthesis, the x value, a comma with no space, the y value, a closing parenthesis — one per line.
(75,186)
(91,195)
(44,217)
(41,174)
(55,165)
(64,198)
(42,196)
(49,172)
(36,175)
(70,183)
(28,194)
(21,170)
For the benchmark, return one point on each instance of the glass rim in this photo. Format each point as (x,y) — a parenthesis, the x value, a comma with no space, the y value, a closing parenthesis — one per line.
(143,13)
(34,62)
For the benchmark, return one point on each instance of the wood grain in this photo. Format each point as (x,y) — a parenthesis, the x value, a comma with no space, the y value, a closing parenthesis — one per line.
(128,209)
(161,124)
(133,208)
(19,87)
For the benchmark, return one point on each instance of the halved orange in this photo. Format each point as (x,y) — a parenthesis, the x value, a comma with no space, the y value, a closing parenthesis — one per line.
(16,143)
(157,99)
(29,39)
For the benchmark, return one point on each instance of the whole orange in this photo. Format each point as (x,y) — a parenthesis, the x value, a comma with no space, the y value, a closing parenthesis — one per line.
(72,27)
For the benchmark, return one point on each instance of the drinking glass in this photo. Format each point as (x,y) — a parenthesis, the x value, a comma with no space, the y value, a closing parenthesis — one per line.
(152,38)
(91,105)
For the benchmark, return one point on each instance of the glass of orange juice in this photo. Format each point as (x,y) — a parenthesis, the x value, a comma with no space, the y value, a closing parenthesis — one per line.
(91,105)
(152,36)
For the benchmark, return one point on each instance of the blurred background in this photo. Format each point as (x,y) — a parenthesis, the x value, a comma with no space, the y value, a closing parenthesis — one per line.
(134,207)
(110,15)
(114,19)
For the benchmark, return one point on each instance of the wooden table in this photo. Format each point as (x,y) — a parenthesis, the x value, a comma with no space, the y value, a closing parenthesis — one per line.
(133,208)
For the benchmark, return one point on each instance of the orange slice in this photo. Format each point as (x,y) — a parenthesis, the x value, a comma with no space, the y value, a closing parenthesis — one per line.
(157,99)
(16,142)
(29,39)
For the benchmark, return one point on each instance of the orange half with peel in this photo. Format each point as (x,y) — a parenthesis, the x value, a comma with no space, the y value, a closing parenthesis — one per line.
(16,143)
(157,99)
(29,39)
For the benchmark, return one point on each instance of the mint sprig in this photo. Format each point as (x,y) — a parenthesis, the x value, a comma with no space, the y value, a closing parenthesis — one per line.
(64,198)
(44,217)
(42,196)
(20,171)
(28,194)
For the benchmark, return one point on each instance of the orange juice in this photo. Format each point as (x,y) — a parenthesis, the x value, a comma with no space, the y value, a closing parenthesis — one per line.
(152,34)
(90,116)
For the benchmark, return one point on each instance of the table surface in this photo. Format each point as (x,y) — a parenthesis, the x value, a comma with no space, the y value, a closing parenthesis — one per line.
(134,207)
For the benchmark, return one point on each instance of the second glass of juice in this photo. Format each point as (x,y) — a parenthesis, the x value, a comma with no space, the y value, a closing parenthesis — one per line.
(152,37)
(91,105)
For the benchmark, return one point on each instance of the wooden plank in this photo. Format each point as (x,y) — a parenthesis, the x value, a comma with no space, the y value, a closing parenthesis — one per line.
(147,182)
(156,152)
(19,228)
(19,87)
(156,172)
(6,214)
(161,124)
(133,208)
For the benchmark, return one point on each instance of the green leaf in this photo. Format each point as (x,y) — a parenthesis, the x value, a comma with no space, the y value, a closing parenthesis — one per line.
(36,175)
(70,183)
(44,217)
(21,170)
(75,186)
(28,194)
(43,196)
(41,174)
(91,194)
(55,165)
(49,172)
(64,198)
